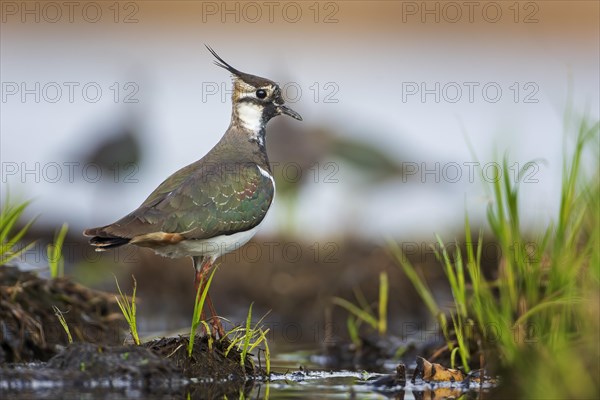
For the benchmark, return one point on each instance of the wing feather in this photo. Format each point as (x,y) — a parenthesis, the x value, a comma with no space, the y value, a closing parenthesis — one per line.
(200,202)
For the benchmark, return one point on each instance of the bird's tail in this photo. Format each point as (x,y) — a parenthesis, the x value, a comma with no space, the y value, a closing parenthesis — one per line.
(102,240)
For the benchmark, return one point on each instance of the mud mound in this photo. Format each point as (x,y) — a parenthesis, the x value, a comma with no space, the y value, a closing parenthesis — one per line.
(127,362)
(205,363)
(88,368)
(158,368)
(29,329)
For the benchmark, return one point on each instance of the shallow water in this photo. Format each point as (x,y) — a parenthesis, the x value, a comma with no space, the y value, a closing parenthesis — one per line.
(294,375)
(314,382)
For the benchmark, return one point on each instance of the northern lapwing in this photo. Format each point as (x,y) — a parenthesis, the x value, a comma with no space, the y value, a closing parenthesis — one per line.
(215,205)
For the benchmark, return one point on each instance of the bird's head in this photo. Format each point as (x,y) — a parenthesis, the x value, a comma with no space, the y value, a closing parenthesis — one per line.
(255,100)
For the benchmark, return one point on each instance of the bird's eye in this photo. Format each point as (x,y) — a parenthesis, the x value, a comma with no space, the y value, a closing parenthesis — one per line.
(261,93)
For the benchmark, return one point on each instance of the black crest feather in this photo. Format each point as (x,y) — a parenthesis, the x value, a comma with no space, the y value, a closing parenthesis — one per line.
(253,80)
(222,63)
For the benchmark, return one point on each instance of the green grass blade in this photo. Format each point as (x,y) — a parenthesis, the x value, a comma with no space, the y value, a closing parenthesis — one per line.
(63,323)
(198,306)
(267,355)
(247,336)
(261,337)
(55,256)
(359,313)
(418,283)
(383,303)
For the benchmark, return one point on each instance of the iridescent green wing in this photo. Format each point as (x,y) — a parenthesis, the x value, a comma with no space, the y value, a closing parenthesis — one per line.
(205,202)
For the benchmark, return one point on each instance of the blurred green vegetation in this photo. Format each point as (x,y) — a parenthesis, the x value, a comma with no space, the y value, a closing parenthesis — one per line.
(538,319)
(9,216)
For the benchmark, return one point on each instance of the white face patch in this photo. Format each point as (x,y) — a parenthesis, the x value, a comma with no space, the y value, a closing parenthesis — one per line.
(250,116)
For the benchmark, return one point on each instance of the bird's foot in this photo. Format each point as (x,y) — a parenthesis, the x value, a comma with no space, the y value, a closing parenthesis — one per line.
(217,328)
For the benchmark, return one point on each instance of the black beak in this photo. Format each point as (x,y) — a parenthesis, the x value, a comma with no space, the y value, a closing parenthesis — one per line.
(288,111)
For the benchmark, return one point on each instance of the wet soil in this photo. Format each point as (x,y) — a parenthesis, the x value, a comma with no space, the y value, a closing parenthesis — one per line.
(370,354)
(35,354)
(209,361)
(84,365)
(374,353)
(160,367)
(30,330)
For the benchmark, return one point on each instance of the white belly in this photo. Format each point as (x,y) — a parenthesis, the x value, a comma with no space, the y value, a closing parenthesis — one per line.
(213,248)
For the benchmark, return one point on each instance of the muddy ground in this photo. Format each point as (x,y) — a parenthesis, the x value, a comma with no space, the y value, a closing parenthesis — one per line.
(30,329)
(160,367)
(290,282)
(38,362)
(31,332)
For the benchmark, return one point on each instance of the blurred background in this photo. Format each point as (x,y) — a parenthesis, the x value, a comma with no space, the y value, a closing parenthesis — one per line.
(404,105)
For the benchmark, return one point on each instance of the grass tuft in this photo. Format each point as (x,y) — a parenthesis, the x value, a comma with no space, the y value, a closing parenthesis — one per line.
(364,313)
(9,215)
(128,308)
(248,338)
(543,304)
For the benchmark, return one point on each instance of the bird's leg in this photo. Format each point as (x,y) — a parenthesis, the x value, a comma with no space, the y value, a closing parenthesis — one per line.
(202,267)
(216,322)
